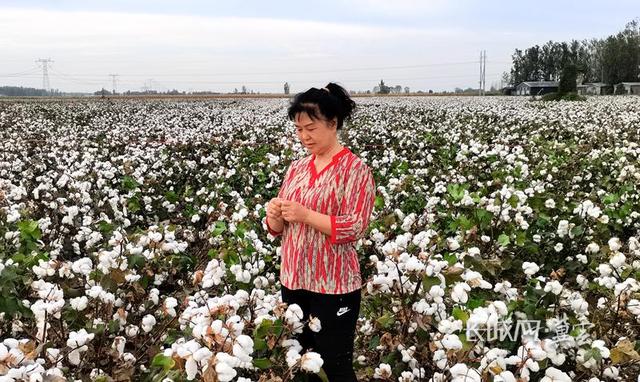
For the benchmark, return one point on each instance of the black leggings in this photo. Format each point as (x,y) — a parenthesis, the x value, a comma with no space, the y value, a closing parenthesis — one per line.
(338,314)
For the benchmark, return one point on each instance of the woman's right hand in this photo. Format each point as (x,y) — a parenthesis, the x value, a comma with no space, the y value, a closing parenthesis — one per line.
(273,210)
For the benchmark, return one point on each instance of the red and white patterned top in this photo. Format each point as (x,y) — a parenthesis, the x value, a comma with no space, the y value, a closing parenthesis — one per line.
(344,190)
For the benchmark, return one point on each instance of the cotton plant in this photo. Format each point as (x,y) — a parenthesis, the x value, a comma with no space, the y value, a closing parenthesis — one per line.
(159,241)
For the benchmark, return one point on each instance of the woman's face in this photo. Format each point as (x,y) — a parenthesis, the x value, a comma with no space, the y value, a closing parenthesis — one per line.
(317,135)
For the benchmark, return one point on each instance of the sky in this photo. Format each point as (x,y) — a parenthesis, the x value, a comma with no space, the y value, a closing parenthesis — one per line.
(223,45)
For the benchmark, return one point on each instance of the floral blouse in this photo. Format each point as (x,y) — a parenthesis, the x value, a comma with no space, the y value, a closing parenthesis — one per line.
(344,190)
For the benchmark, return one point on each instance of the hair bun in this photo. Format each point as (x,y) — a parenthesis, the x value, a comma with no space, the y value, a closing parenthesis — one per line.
(346,103)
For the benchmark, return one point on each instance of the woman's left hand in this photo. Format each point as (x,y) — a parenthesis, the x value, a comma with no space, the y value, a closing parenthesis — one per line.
(293,212)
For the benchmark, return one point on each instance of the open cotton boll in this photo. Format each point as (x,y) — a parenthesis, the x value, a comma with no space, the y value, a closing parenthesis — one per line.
(530,268)
(169,306)
(243,347)
(459,292)
(554,375)
(79,303)
(311,362)
(225,372)
(383,371)
(451,342)
(148,322)
(293,316)
(461,373)
(314,324)
(292,356)
(614,244)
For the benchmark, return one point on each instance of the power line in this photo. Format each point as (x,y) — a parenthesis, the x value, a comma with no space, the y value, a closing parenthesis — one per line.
(474,62)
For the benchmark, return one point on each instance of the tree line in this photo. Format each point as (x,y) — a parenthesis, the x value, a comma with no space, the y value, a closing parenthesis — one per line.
(611,60)
(19,91)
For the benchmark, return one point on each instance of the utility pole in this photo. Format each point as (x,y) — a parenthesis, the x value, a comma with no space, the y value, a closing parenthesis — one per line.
(113,77)
(45,72)
(484,74)
(483,65)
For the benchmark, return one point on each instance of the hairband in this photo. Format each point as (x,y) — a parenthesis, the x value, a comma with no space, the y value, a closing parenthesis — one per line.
(328,91)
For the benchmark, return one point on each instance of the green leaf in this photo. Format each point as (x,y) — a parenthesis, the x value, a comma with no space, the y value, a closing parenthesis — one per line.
(262,330)
(9,305)
(259,344)
(429,281)
(456,191)
(386,320)
(136,261)
(503,240)
(450,258)
(374,342)
(162,361)
(323,375)
(129,183)
(460,314)
(262,363)
(171,196)
(219,229)
(611,199)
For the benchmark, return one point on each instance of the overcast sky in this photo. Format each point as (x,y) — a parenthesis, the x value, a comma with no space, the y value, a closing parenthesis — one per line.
(222,45)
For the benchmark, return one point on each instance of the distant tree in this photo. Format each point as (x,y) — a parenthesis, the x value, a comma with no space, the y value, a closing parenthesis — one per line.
(568,79)
(244,89)
(102,92)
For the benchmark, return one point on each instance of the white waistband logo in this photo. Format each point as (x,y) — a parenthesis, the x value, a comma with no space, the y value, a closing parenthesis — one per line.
(342,311)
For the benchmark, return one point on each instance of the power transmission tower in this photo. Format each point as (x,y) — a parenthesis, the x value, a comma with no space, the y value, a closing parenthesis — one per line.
(483,66)
(113,77)
(45,72)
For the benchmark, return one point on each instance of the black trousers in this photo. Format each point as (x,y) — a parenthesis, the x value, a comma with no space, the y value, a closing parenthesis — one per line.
(338,314)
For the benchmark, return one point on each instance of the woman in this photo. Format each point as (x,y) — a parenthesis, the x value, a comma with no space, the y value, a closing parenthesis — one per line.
(322,209)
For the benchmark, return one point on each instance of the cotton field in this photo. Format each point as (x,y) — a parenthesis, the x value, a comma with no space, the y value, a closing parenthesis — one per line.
(504,243)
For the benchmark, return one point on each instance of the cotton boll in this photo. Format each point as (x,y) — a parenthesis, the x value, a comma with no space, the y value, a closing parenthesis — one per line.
(452,243)
(554,375)
(614,244)
(292,356)
(314,324)
(118,344)
(451,342)
(311,362)
(563,228)
(79,303)
(617,260)
(554,287)
(530,268)
(459,292)
(592,248)
(148,322)
(243,347)
(633,306)
(293,316)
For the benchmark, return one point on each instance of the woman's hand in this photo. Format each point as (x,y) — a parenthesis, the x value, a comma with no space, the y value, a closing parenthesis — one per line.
(293,211)
(274,211)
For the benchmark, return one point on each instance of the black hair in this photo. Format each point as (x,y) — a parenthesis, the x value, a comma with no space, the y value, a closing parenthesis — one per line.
(329,102)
